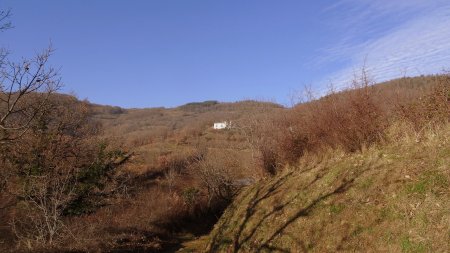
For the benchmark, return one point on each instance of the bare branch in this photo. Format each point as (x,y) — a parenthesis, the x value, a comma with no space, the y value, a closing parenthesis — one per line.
(5,24)
(24,91)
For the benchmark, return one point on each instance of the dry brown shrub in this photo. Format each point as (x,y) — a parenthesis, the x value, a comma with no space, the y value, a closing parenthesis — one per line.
(349,119)
(261,133)
(137,223)
(428,110)
(56,168)
(360,116)
(218,171)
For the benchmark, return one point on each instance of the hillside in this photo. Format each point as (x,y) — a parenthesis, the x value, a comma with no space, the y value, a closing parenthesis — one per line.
(362,168)
(225,126)
(159,192)
(389,198)
(152,133)
(398,192)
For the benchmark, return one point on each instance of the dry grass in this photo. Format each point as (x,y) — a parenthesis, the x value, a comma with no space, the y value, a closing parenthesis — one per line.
(363,175)
(391,198)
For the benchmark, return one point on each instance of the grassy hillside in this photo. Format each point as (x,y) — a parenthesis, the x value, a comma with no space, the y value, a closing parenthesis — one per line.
(389,198)
(364,168)
(154,132)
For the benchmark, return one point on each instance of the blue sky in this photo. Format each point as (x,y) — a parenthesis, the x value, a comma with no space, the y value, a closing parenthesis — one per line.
(170,52)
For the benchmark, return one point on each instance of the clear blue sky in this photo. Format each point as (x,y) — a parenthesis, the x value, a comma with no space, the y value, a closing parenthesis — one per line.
(170,52)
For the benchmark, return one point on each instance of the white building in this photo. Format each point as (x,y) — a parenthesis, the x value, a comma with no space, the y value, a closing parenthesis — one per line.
(222,125)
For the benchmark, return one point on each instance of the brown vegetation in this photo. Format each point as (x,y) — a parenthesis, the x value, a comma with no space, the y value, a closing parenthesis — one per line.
(351,119)
(68,190)
(370,174)
(76,176)
(57,168)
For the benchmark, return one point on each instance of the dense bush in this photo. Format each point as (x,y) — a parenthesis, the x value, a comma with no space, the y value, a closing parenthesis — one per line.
(350,119)
(217,172)
(57,168)
(429,109)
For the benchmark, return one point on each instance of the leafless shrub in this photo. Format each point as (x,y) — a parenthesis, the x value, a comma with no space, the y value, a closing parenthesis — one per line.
(170,175)
(430,109)
(261,134)
(350,119)
(44,200)
(217,172)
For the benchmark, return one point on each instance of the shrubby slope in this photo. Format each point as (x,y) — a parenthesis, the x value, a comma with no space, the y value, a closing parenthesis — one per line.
(390,198)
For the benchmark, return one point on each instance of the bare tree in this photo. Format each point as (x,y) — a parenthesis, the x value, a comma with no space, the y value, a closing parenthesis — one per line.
(51,161)
(24,91)
(218,173)
(59,168)
(5,24)
(25,88)
(45,198)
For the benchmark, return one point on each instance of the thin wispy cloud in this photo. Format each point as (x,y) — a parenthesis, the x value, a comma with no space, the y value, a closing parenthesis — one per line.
(391,38)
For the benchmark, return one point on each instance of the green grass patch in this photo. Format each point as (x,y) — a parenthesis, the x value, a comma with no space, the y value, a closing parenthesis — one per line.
(358,230)
(417,188)
(408,246)
(336,208)
(387,213)
(430,181)
(366,183)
